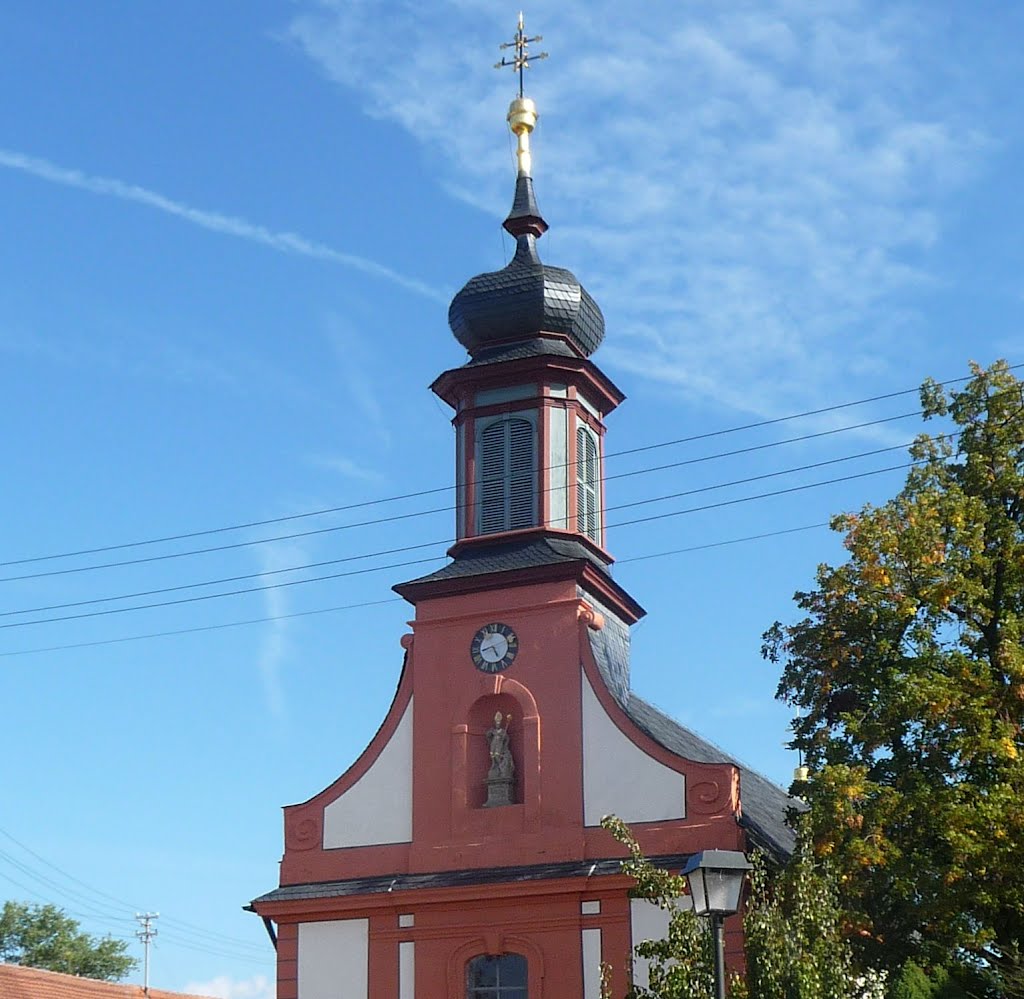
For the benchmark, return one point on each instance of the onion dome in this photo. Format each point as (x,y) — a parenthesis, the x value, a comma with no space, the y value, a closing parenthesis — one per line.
(527,300)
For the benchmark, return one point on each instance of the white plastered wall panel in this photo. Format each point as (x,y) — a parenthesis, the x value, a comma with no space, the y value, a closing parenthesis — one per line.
(334,959)
(591,945)
(648,922)
(378,807)
(619,778)
(407,970)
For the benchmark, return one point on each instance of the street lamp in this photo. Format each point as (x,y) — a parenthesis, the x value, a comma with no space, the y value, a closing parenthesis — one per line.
(715,878)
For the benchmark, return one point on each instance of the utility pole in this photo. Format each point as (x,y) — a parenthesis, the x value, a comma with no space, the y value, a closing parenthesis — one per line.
(146,934)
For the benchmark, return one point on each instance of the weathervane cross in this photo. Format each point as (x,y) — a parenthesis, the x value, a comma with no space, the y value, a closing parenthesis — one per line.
(522,57)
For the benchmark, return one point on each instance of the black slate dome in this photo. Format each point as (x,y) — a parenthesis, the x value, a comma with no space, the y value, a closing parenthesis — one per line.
(527,299)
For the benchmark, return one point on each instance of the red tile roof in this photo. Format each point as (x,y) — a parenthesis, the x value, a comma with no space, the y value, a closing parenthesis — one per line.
(17,982)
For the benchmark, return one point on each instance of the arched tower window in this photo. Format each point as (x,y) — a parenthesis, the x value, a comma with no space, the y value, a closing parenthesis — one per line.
(506,470)
(588,485)
(491,976)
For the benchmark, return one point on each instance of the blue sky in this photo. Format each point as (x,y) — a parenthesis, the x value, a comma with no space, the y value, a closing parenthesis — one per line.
(230,233)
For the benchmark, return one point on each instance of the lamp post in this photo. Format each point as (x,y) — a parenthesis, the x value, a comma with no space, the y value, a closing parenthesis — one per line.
(715,878)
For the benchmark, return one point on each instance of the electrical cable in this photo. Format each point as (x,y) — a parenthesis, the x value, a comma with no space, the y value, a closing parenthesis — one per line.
(290,537)
(182,926)
(426,492)
(398,565)
(722,544)
(71,912)
(745,499)
(215,596)
(98,910)
(374,603)
(202,628)
(313,565)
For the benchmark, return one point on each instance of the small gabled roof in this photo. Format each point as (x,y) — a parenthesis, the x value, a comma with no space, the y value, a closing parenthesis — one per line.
(18,982)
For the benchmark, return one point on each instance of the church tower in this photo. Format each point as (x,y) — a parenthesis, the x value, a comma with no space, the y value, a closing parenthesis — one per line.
(461,855)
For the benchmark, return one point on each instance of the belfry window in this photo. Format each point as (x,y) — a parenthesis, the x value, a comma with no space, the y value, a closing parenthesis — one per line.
(588,485)
(506,470)
(491,976)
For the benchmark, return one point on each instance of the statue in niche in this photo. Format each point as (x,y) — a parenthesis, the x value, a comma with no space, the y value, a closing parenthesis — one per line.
(501,776)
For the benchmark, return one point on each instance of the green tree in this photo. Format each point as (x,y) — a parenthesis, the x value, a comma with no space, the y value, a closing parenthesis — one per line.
(908,670)
(42,936)
(795,947)
(681,964)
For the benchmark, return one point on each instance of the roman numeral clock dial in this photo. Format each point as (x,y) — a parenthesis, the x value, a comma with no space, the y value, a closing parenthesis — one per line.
(494,648)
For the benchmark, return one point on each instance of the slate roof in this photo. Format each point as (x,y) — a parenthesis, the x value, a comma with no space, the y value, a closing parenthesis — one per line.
(483,559)
(522,300)
(452,879)
(519,349)
(17,982)
(525,215)
(765,804)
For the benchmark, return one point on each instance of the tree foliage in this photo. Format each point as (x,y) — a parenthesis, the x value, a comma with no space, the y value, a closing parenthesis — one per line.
(795,944)
(908,670)
(43,936)
(681,965)
(795,947)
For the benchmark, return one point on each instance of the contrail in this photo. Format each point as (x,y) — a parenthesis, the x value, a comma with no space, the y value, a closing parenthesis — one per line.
(283,242)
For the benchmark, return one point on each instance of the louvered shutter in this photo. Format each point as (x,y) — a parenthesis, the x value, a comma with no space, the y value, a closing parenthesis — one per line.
(507,476)
(521,474)
(586,484)
(492,479)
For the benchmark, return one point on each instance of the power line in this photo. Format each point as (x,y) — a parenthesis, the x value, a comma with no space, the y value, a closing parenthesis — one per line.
(722,544)
(745,499)
(215,596)
(71,912)
(184,926)
(439,489)
(398,565)
(232,579)
(375,603)
(201,628)
(100,910)
(313,565)
(342,527)
(112,929)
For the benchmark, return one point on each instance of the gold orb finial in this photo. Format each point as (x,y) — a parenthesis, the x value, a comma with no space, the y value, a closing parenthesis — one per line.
(522,112)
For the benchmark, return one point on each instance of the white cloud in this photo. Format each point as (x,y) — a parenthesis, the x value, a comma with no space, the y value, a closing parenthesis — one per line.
(751,190)
(225,987)
(282,242)
(274,645)
(348,467)
(359,366)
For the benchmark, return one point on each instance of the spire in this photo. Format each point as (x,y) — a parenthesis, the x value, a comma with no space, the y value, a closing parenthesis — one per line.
(527,301)
(525,218)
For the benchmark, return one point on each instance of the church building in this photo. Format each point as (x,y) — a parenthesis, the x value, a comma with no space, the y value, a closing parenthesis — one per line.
(461,856)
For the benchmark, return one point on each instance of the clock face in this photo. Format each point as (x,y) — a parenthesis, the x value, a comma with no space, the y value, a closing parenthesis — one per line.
(494,647)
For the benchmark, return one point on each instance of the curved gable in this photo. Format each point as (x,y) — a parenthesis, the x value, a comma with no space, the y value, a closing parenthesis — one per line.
(619,778)
(377,808)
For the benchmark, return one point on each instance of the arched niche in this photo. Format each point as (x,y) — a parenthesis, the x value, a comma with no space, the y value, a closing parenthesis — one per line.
(470,758)
(480,720)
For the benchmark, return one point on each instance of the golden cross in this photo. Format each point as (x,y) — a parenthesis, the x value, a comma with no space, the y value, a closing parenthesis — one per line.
(522,57)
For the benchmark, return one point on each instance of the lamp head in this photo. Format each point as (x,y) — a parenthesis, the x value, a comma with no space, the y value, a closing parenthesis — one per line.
(716,878)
